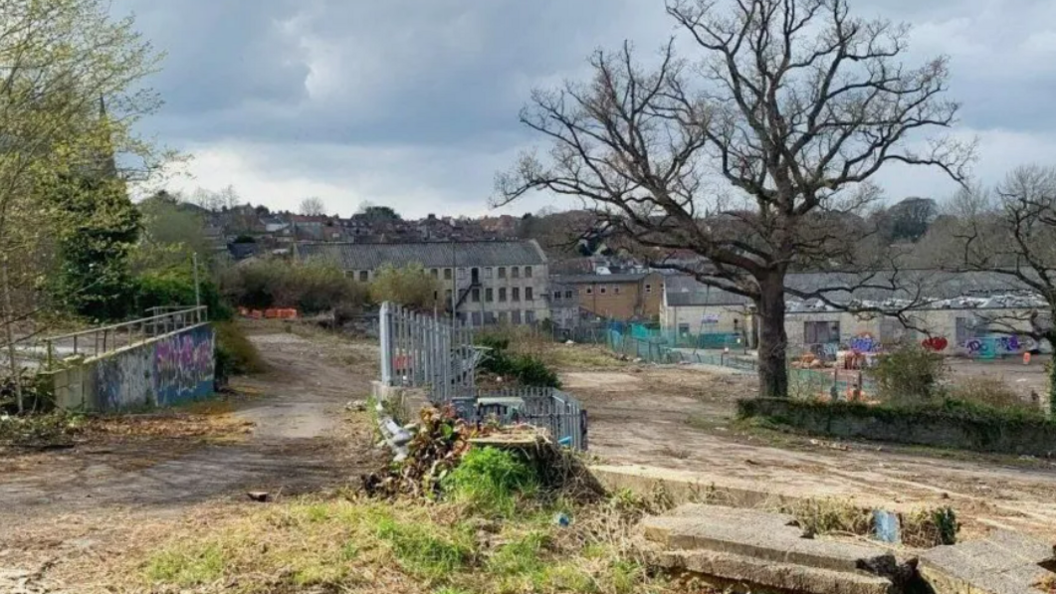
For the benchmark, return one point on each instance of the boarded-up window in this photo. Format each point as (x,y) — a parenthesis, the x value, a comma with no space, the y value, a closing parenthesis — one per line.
(821,332)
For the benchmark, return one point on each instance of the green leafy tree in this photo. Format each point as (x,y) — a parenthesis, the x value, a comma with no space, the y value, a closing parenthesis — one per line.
(411,286)
(58,60)
(99,228)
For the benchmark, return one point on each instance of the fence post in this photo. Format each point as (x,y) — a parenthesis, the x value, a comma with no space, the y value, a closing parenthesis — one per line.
(387,347)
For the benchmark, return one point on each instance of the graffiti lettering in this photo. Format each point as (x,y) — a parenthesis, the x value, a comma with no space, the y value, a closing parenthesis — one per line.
(863,343)
(184,366)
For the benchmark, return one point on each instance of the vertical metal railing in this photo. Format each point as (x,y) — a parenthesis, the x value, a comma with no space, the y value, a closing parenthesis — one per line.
(561,414)
(427,351)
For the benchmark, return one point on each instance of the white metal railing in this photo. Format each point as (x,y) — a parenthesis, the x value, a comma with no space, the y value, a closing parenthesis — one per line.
(97,341)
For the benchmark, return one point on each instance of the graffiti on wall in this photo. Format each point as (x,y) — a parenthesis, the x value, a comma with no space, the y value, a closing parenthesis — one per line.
(123,381)
(864,343)
(989,347)
(184,366)
(935,343)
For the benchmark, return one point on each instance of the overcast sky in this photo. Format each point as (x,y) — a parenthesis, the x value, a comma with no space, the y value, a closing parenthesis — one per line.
(413,103)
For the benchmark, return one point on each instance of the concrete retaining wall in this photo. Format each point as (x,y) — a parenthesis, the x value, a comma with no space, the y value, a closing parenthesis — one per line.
(162,371)
(1012,435)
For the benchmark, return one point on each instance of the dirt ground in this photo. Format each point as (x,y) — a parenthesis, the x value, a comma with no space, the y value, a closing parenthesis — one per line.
(287,432)
(682,417)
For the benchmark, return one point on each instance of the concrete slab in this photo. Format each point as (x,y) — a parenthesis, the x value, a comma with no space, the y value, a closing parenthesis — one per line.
(763,536)
(1003,563)
(684,486)
(738,573)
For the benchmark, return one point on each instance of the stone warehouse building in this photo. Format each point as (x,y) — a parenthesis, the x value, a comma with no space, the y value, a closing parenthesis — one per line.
(979,314)
(488,282)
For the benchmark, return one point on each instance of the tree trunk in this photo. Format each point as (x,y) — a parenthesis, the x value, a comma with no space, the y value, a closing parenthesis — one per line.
(9,318)
(773,342)
(1052,378)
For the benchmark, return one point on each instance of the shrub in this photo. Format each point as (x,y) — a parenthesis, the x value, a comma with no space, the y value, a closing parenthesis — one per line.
(527,369)
(990,392)
(311,287)
(490,479)
(176,287)
(909,375)
(235,354)
(411,286)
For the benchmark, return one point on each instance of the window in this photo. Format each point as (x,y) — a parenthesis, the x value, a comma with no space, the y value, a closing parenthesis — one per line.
(504,318)
(515,272)
(447,274)
(529,317)
(364,276)
(475,275)
(502,294)
(557,294)
(435,273)
(602,290)
(489,295)
(590,290)
(648,288)
(487,272)
(502,272)
(527,272)
(515,294)
(516,317)
(683,329)
(476,318)
(475,296)
(821,332)
(461,273)
(447,295)
(568,294)
(616,290)
(489,318)
(528,294)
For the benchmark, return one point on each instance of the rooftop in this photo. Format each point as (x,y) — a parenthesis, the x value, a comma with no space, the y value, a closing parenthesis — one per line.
(368,256)
(929,288)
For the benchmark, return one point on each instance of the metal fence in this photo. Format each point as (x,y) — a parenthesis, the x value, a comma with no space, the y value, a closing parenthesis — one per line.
(423,351)
(97,341)
(437,354)
(558,412)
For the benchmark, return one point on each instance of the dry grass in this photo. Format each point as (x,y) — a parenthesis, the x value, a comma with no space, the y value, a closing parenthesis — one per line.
(1047,584)
(347,544)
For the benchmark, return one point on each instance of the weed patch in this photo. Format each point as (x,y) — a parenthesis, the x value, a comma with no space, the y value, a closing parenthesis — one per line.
(490,480)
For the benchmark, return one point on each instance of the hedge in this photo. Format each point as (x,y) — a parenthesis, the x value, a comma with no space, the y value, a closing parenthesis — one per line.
(948,424)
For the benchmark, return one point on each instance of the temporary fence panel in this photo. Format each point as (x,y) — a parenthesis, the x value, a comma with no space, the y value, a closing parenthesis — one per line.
(426,351)
(558,412)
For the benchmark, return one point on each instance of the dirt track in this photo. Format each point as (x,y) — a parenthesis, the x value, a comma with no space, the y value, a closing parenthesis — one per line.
(679,417)
(72,504)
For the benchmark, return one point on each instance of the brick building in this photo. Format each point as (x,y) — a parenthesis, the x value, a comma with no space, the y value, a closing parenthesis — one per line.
(634,296)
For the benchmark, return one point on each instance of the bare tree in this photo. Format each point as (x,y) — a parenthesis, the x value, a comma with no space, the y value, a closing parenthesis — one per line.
(753,158)
(312,206)
(1011,231)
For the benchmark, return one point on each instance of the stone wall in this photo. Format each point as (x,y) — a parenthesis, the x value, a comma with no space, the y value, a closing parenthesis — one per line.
(162,371)
(1035,436)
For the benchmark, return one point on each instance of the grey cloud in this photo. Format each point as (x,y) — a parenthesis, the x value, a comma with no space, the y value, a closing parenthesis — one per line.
(442,80)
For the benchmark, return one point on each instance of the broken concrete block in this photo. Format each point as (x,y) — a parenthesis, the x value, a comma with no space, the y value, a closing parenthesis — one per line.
(730,571)
(1004,563)
(745,547)
(762,535)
